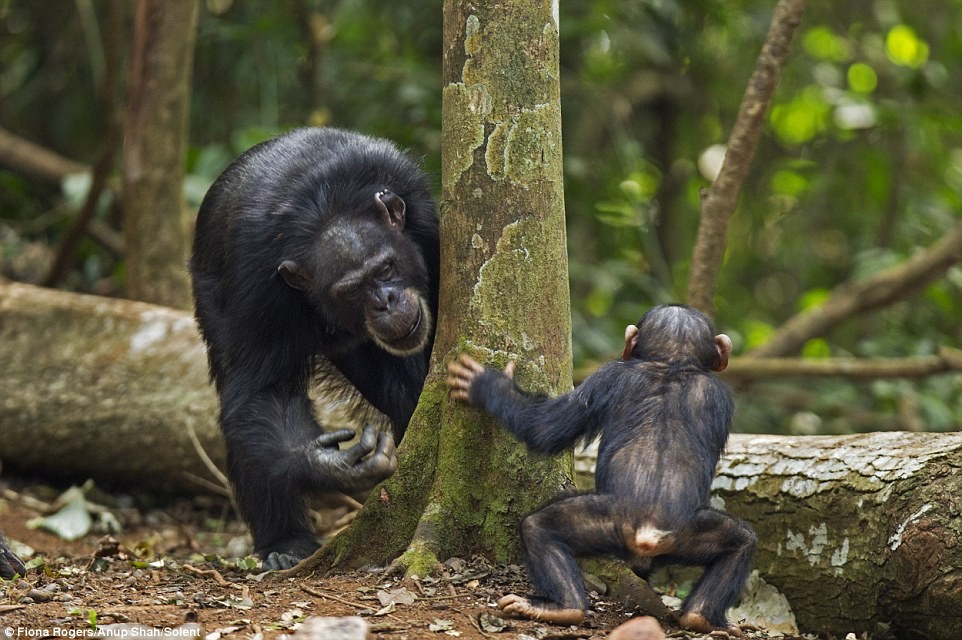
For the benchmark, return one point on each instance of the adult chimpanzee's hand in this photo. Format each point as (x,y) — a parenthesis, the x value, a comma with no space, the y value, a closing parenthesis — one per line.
(462,374)
(10,565)
(371,460)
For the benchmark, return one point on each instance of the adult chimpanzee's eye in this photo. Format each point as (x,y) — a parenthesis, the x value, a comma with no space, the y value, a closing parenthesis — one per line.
(386,272)
(348,289)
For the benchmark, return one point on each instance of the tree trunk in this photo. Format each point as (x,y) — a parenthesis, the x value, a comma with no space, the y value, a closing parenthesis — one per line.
(463,482)
(107,389)
(156,226)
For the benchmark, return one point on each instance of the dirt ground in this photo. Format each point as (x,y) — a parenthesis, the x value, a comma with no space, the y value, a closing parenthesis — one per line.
(177,564)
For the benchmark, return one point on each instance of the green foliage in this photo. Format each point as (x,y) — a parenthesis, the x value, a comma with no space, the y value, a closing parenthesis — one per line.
(859,168)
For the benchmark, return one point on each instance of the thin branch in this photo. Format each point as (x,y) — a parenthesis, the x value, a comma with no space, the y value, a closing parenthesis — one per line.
(78,229)
(208,463)
(947,360)
(105,161)
(719,203)
(25,157)
(854,297)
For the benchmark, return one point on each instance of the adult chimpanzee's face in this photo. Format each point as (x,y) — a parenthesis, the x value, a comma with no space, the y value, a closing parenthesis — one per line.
(366,277)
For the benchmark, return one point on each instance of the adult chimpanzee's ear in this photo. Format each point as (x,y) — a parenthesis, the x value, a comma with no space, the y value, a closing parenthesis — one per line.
(631,339)
(724,345)
(294,275)
(392,206)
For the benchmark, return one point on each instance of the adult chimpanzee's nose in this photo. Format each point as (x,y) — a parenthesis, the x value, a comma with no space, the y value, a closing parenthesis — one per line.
(384,299)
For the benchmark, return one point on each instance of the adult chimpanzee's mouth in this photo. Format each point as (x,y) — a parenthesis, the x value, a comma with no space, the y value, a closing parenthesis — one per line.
(398,339)
(414,326)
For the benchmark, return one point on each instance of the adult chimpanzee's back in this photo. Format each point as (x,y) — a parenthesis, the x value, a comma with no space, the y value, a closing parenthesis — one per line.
(318,244)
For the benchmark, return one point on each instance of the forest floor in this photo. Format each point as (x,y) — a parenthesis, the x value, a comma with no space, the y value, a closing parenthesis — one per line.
(176,564)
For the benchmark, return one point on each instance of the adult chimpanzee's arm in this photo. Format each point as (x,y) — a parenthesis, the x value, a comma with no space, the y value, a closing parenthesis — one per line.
(277,454)
(546,425)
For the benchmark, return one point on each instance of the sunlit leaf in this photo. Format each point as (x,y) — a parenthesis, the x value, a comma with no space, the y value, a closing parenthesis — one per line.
(905,48)
(862,78)
(801,119)
(821,43)
(757,333)
(816,348)
(789,183)
(812,298)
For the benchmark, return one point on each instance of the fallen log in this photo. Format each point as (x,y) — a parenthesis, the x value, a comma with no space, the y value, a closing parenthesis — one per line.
(94,387)
(859,532)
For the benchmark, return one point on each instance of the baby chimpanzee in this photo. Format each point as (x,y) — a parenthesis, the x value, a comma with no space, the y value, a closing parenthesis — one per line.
(663,418)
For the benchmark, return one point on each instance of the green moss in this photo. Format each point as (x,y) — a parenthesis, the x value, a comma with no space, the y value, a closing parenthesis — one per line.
(419,560)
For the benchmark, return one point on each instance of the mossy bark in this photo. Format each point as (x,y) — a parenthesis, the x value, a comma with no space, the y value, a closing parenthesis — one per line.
(464,483)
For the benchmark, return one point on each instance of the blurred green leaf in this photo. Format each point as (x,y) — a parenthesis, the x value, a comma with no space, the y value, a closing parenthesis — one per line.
(904,47)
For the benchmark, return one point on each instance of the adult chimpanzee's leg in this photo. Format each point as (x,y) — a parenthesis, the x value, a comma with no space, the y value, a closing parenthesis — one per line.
(266,456)
(553,537)
(724,545)
(277,455)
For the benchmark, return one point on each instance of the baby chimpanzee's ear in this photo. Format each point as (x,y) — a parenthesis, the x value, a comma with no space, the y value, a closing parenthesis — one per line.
(631,339)
(724,345)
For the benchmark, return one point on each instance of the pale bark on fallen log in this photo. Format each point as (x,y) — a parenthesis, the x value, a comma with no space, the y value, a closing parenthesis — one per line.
(103,388)
(857,531)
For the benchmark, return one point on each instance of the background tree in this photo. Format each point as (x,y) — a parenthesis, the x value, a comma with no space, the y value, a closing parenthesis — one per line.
(156,225)
(463,482)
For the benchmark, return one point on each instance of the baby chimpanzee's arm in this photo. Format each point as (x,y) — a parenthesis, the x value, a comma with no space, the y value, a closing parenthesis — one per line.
(546,425)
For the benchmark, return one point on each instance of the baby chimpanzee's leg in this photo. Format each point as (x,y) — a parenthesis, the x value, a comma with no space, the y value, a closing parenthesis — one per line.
(553,537)
(724,545)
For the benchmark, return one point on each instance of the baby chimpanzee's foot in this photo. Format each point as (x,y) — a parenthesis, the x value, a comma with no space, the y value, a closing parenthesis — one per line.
(517,607)
(697,622)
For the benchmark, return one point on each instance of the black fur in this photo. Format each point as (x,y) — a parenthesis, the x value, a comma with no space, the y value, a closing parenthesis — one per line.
(10,564)
(663,418)
(311,199)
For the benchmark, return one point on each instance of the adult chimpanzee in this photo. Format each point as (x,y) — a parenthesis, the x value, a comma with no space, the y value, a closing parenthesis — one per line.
(10,564)
(663,420)
(318,244)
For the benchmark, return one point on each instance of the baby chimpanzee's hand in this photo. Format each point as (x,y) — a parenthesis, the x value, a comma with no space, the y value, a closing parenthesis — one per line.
(461,375)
